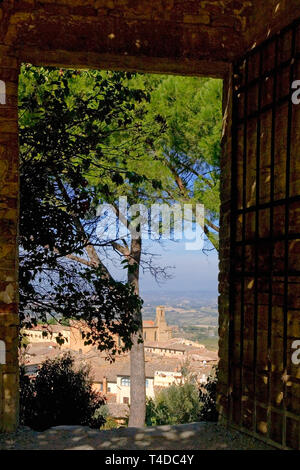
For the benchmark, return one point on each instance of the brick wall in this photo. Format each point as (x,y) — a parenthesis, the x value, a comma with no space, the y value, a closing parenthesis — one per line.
(161,28)
(224,254)
(8,234)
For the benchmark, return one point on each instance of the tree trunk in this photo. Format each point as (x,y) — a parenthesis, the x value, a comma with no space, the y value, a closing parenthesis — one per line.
(137,357)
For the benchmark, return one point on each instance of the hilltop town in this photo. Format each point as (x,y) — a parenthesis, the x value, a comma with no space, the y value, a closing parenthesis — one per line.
(166,357)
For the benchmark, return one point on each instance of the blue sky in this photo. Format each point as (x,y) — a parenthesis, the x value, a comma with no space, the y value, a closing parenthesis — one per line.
(193,270)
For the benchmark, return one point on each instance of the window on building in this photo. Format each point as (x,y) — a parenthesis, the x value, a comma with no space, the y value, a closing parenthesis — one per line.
(145,335)
(125,381)
(126,400)
(147,383)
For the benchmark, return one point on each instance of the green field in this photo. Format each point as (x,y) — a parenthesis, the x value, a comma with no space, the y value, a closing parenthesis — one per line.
(201,335)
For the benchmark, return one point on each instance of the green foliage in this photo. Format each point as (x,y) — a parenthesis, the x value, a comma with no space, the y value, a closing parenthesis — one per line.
(110,423)
(102,412)
(157,413)
(184,403)
(201,335)
(193,114)
(208,398)
(70,160)
(177,404)
(88,137)
(59,395)
(190,148)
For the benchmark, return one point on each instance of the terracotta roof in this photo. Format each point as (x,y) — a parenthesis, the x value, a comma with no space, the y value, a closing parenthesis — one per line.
(148,323)
(50,328)
(177,345)
(101,368)
(165,345)
(35,347)
(37,353)
(120,368)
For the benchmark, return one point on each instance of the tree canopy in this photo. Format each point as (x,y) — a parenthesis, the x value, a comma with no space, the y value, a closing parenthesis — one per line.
(87,138)
(67,120)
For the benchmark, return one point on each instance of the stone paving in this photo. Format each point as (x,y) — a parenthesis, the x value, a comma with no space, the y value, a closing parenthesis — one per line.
(194,436)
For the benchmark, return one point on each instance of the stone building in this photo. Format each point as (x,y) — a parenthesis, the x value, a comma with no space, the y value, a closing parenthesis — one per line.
(114,380)
(48,334)
(159,329)
(71,335)
(254,47)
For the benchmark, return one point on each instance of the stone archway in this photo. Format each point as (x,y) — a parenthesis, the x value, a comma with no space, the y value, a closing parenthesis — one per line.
(168,36)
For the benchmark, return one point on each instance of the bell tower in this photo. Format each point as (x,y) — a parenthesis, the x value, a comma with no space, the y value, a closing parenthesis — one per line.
(164,332)
(160,319)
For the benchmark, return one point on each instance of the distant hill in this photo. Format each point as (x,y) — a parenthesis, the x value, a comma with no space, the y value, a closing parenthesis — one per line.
(195,314)
(183,309)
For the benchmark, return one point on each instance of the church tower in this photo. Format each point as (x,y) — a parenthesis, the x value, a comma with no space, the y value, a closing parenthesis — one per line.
(164,332)
(160,319)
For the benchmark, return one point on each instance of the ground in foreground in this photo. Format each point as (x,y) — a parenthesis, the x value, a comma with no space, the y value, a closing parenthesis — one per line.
(194,436)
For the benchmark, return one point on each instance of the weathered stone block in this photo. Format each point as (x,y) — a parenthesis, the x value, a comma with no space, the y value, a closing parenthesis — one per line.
(197,19)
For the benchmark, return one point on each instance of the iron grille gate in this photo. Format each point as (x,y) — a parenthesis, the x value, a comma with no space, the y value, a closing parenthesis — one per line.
(265,242)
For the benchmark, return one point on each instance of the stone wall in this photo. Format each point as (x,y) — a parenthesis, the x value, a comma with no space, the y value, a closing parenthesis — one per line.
(259,311)
(268,18)
(9,188)
(224,253)
(161,29)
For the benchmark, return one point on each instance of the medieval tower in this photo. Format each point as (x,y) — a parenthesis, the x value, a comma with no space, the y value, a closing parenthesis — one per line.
(159,329)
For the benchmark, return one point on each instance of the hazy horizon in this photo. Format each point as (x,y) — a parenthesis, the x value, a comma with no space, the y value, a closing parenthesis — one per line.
(194,271)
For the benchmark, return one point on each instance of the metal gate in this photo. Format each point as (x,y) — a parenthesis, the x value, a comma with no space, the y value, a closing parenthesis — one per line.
(264,320)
